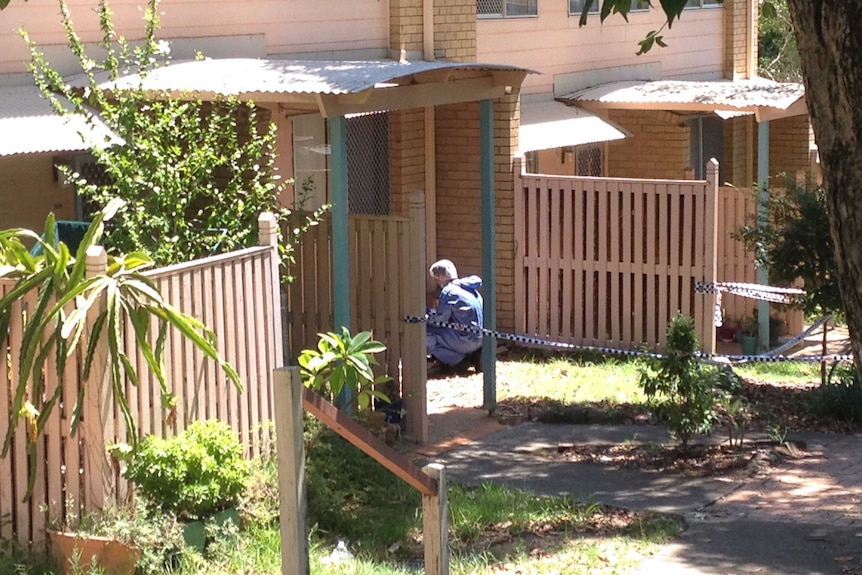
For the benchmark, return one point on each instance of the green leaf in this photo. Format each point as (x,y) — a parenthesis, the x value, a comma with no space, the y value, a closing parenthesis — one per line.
(767,9)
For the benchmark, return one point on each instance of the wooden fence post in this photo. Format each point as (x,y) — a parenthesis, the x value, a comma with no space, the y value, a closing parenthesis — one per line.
(710,232)
(97,423)
(268,236)
(520,288)
(413,368)
(290,447)
(435,523)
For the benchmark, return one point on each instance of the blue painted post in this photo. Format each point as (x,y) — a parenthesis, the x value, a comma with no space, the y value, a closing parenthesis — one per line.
(340,237)
(340,241)
(762,196)
(489,251)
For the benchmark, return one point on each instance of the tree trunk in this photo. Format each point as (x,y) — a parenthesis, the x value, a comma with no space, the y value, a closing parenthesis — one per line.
(830,50)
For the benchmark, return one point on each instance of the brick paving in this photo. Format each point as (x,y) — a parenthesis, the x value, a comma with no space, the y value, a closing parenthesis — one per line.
(824,487)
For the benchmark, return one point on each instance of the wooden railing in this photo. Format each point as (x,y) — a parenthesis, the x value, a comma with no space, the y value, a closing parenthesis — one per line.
(430,481)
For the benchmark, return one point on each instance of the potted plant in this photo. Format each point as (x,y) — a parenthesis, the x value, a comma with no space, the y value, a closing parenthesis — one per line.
(748,327)
(114,540)
(197,475)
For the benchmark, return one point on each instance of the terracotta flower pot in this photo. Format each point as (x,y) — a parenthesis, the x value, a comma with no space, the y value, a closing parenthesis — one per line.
(112,556)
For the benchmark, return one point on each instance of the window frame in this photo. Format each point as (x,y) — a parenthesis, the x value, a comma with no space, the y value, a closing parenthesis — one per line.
(596,7)
(703,5)
(503,15)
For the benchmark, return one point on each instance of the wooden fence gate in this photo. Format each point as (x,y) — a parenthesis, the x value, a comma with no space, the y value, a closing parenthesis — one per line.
(607,262)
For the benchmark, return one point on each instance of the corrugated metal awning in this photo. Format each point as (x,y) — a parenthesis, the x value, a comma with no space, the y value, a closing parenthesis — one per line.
(331,87)
(28,125)
(553,124)
(766,99)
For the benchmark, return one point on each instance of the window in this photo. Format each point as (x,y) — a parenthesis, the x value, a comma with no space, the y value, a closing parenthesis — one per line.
(507,8)
(367,138)
(590,160)
(703,4)
(707,141)
(577,6)
(368,164)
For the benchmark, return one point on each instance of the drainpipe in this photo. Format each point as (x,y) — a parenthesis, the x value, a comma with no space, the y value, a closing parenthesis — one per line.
(751,41)
(430,141)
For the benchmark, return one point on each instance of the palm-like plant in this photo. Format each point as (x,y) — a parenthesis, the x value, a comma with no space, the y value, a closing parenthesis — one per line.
(67,301)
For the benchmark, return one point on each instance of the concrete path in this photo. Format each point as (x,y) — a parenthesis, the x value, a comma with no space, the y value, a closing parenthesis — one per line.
(802,518)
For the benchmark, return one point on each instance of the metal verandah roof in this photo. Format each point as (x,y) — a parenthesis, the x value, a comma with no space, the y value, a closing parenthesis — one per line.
(331,87)
(766,99)
(553,124)
(29,125)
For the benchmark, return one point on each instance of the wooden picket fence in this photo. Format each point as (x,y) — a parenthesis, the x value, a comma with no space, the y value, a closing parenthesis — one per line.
(607,262)
(236,294)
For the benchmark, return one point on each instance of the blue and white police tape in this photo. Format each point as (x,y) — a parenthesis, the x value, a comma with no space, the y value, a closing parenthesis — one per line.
(754,291)
(790,343)
(706,357)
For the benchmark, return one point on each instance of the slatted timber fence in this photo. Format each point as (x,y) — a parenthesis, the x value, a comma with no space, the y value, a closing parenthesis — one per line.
(235,294)
(607,262)
(387,282)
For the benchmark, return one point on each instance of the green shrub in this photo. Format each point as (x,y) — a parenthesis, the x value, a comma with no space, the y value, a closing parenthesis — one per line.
(194,474)
(678,386)
(840,397)
(344,361)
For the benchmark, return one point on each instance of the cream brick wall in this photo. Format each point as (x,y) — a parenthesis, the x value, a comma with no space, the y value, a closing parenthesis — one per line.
(31,193)
(458,200)
(740,58)
(455,29)
(407,156)
(788,145)
(405,26)
(739,151)
(659,146)
(459,225)
(506,121)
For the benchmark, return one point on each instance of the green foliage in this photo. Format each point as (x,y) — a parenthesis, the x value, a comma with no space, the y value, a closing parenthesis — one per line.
(678,385)
(259,502)
(195,175)
(840,397)
(66,301)
(344,361)
(352,496)
(194,474)
(778,55)
(794,241)
(672,10)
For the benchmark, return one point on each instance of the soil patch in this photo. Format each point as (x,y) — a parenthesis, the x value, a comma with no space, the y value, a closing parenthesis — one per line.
(695,460)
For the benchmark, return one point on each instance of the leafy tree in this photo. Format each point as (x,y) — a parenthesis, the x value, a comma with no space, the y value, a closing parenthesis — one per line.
(792,242)
(194,175)
(777,55)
